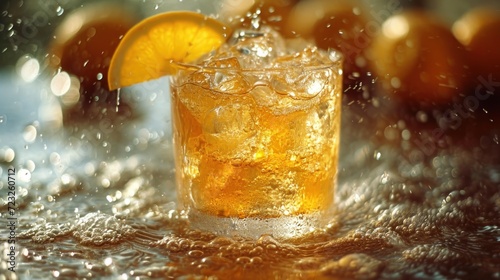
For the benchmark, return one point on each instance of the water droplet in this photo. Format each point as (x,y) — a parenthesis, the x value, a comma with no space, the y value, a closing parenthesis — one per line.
(60,84)
(59,10)
(422,116)
(7,154)
(66,179)
(105,183)
(91,32)
(89,169)
(390,133)
(25,252)
(108,261)
(395,82)
(55,158)
(406,134)
(28,68)
(24,175)
(30,165)
(30,133)
(117,99)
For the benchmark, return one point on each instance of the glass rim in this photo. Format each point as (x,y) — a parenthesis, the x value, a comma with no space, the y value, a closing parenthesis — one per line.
(335,59)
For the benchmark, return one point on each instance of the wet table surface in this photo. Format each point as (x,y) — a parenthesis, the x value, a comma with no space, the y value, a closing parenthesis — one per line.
(418,195)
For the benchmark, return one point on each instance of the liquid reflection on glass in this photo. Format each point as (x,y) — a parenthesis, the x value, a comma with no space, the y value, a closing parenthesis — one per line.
(256,135)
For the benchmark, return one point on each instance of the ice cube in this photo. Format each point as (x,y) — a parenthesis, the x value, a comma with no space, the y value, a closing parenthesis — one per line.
(229,119)
(307,74)
(256,49)
(196,101)
(283,97)
(264,95)
(223,62)
(302,84)
(292,89)
(222,75)
(228,128)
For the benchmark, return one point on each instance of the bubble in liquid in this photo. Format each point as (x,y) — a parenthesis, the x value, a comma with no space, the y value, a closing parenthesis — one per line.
(46,232)
(436,254)
(99,229)
(356,266)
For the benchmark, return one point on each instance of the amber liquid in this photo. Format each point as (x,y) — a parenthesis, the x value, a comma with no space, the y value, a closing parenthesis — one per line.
(238,158)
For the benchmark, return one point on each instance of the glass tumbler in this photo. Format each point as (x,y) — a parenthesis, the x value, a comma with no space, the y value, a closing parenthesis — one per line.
(256,150)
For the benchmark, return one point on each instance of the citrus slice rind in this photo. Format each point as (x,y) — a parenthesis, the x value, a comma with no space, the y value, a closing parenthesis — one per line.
(148,49)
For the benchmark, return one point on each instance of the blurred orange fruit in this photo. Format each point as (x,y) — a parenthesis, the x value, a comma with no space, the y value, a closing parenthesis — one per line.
(479,31)
(341,25)
(147,51)
(418,59)
(86,39)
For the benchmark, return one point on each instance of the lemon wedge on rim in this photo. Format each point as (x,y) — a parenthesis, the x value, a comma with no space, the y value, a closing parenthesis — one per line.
(148,49)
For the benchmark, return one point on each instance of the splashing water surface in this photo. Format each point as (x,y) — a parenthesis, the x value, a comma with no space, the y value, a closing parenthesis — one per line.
(89,209)
(96,199)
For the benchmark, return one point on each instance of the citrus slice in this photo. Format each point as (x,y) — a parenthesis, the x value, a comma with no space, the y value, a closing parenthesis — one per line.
(148,49)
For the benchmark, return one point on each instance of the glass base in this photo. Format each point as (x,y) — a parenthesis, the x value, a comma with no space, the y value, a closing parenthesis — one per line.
(280,228)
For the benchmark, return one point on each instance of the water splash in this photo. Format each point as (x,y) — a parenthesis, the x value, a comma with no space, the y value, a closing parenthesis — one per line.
(118,96)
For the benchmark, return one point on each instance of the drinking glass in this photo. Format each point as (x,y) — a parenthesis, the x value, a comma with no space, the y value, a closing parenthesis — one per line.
(256,149)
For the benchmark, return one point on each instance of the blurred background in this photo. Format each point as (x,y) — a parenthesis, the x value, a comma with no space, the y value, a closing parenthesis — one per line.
(421,59)
(26,27)
(437,195)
